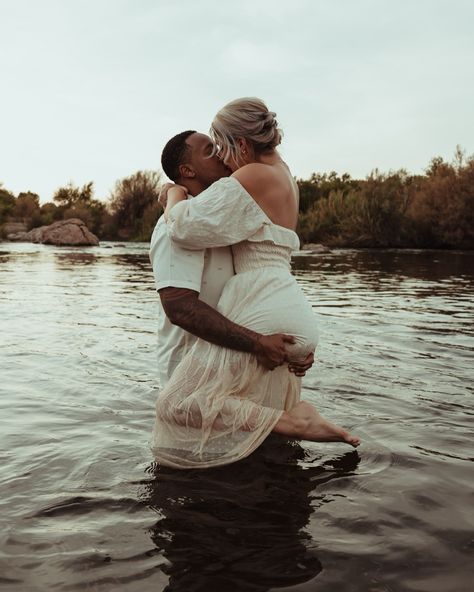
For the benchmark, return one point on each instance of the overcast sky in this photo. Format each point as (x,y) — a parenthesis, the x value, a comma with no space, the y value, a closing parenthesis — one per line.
(92,89)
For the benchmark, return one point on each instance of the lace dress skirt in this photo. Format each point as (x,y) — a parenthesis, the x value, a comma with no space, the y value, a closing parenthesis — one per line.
(219,404)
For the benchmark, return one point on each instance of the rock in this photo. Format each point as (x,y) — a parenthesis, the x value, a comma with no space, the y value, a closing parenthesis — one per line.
(66,232)
(13,228)
(71,232)
(36,234)
(316,248)
(18,236)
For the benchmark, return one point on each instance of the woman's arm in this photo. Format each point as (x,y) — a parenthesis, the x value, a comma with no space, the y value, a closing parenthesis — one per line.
(223,214)
(175,195)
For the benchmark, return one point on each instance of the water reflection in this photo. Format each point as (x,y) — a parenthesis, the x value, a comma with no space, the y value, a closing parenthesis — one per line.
(139,260)
(241,527)
(394,264)
(71,259)
(79,361)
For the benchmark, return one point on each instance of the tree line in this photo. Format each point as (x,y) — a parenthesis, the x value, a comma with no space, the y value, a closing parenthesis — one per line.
(395,209)
(130,213)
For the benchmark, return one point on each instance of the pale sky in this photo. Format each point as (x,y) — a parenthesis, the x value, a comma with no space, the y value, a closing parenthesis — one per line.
(91,90)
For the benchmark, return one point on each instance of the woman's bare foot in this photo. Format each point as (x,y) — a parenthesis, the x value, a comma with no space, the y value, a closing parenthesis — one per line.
(305,422)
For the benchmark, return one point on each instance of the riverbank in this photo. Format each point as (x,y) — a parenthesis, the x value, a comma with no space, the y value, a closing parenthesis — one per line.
(385,210)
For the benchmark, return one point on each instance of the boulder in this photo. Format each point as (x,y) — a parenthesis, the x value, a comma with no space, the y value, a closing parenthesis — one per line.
(316,248)
(72,232)
(18,236)
(13,228)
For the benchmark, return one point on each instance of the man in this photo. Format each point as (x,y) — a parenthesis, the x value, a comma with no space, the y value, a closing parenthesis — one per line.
(190,282)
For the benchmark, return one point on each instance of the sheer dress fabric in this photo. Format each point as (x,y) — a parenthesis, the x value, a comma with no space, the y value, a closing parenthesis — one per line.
(219,404)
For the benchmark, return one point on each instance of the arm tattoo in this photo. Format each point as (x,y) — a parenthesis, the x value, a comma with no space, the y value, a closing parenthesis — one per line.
(183,308)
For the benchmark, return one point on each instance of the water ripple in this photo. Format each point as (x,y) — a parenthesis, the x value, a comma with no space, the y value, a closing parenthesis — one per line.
(84,507)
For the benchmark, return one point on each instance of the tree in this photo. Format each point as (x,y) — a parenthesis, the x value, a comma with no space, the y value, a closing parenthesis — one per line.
(443,208)
(438,167)
(27,206)
(78,202)
(319,186)
(7,203)
(70,195)
(134,206)
(48,214)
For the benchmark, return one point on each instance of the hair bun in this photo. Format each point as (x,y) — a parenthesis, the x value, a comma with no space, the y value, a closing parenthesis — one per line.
(270,118)
(248,118)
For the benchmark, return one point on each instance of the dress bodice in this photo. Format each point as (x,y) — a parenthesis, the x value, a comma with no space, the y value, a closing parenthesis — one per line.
(226,214)
(269,247)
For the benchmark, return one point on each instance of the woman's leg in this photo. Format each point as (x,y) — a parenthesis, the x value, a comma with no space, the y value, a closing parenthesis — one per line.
(306,423)
(301,421)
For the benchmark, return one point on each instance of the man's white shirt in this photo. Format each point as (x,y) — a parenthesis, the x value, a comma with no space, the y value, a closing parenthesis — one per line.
(194,257)
(205,271)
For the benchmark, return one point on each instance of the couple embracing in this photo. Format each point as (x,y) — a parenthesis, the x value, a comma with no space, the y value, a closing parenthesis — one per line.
(237,333)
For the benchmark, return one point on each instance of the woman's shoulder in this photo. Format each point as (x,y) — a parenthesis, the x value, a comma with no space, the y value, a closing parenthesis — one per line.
(259,180)
(254,172)
(273,189)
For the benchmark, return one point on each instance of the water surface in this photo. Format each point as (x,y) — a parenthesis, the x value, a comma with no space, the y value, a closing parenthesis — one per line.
(83,507)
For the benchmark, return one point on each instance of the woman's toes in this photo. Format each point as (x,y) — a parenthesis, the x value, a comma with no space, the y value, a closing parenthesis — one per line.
(353,440)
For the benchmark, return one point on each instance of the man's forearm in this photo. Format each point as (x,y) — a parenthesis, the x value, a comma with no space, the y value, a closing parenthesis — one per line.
(200,319)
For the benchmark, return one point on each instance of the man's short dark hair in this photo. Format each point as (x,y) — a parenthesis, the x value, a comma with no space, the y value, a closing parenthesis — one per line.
(174,154)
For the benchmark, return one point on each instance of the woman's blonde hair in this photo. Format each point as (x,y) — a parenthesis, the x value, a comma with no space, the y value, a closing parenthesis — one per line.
(247,118)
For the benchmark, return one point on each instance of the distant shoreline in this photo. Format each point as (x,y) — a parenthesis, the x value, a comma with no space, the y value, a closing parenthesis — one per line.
(397,209)
(301,252)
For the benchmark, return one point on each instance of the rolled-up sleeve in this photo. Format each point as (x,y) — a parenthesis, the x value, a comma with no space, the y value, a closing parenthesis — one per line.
(222,215)
(174,266)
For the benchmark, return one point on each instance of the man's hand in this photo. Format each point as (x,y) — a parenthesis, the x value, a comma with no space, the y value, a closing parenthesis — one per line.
(300,368)
(183,308)
(270,350)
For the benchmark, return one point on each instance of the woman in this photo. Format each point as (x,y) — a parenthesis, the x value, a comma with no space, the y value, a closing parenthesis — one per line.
(219,404)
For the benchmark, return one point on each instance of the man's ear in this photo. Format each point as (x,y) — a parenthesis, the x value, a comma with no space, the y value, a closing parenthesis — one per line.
(186,171)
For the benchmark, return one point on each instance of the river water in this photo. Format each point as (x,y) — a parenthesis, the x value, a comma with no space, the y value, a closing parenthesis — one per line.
(83,507)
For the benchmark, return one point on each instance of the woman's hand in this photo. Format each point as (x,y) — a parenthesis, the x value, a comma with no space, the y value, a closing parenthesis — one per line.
(300,368)
(163,197)
(173,195)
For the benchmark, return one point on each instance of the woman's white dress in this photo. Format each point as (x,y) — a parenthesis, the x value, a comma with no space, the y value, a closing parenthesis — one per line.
(219,404)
